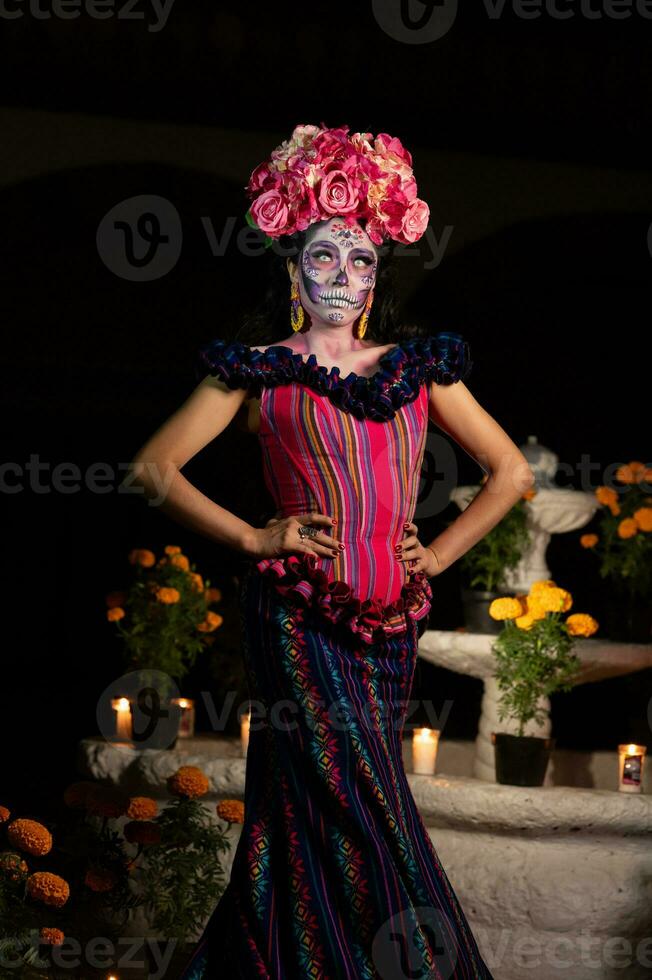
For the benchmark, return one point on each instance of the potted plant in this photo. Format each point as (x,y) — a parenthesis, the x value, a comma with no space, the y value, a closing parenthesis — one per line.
(486,564)
(623,546)
(165,620)
(534,657)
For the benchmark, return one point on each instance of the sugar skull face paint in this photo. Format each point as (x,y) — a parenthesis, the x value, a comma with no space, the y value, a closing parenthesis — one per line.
(338,269)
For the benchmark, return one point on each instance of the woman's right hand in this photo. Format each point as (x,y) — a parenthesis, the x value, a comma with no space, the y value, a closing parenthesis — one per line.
(281,536)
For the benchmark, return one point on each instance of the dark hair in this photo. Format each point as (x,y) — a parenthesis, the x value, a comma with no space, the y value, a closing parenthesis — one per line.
(269,321)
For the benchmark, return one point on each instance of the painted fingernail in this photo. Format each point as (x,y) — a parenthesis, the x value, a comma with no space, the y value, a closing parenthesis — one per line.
(334,520)
(335,554)
(341,546)
(407,527)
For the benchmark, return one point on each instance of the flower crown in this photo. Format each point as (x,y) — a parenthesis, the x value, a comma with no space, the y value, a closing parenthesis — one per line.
(320,173)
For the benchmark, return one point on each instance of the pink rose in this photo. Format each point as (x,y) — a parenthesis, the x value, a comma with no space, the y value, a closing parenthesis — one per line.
(337,194)
(375,230)
(392,146)
(270,213)
(415,220)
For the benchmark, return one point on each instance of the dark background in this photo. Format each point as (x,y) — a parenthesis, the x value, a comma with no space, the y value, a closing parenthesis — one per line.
(530,138)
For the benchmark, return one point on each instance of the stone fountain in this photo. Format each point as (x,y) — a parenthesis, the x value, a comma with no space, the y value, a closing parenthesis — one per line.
(553,510)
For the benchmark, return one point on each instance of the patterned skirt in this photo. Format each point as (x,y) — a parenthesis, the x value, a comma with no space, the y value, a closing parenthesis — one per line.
(334,876)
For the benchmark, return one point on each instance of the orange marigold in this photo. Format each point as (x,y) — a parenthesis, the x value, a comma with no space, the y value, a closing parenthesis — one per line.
(106,801)
(213,595)
(30,836)
(76,794)
(643,518)
(142,808)
(505,608)
(529,494)
(197,581)
(589,540)
(114,614)
(168,595)
(142,832)
(525,622)
(631,472)
(172,549)
(581,624)
(50,889)
(541,584)
(143,557)
(114,599)
(212,621)
(100,879)
(50,936)
(607,496)
(180,561)
(188,781)
(231,810)
(554,600)
(627,528)
(13,866)
(4,814)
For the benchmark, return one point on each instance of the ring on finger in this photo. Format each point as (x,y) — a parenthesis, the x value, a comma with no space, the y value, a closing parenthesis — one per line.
(306,531)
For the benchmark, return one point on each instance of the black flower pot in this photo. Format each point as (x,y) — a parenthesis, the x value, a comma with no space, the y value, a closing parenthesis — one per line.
(476,611)
(521,760)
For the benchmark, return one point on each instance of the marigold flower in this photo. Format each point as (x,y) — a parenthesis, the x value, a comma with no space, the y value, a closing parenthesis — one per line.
(534,607)
(143,557)
(607,496)
(615,509)
(106,801)
(180,561)
(212,621)
(631,472)
(114,614)
(100,879)
(541,584)
(525,622)
(43,886)
(231,810)
(168,595)
(197,581)
(581,624)
(142,832)
(589,540)
(188,781)
(30,836)
(172,549)
(114,599)
(4,814)
(50,936)
(213,595)
(555,600)
(13,866)
(505,608)
(76,794)
(142,808)
(627,528)
(529,494)
(643,518)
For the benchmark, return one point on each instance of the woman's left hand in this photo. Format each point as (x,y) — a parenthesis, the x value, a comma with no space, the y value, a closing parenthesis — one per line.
(419,558)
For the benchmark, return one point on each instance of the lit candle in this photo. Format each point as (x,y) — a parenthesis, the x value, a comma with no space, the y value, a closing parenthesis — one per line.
(245,723)
(122,710)
(424,750)
(630,759)
(187,720)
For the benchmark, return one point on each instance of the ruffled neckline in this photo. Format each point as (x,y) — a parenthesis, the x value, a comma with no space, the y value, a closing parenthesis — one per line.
(443,357)
(298,578)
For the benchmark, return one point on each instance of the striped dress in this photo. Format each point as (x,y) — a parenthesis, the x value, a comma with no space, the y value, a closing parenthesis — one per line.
(335,876)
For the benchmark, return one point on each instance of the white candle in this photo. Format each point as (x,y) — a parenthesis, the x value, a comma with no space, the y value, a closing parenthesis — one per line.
(187,720)
(122,708)
(424,750)
(245,723)
(630,766)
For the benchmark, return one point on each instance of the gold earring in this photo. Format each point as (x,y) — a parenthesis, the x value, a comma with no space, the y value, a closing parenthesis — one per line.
(364,316)
(296,309)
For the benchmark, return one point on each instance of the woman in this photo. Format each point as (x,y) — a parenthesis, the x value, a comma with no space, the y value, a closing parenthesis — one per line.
(334,875)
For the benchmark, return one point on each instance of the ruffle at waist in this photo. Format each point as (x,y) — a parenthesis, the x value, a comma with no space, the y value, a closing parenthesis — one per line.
(298,578)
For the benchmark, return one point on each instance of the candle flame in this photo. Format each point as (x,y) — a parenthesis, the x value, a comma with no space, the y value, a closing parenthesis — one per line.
(425,735)
(122,704)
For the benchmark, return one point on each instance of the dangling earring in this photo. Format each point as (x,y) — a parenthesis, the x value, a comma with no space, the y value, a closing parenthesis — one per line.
(364,316)
(296,309)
